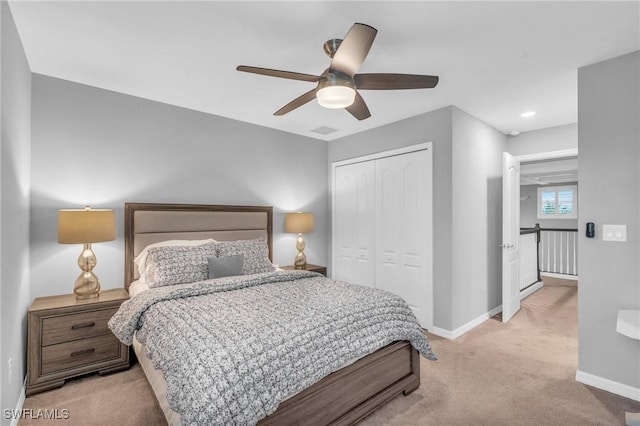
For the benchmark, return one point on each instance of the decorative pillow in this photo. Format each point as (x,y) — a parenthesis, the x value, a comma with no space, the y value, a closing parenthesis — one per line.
(172,265)
(256,254)
(225,266)
(141,258)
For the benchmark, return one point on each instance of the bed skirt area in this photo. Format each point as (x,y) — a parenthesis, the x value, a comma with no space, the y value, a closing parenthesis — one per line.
(157,382)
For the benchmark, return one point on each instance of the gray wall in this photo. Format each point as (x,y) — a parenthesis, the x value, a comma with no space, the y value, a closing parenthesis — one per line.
(529,209)
(467,176)
(556,138)
(477,217)
(15,119)
(92,146)
(609,176)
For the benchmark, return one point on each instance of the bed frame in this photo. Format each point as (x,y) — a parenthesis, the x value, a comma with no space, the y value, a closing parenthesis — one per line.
(341,398)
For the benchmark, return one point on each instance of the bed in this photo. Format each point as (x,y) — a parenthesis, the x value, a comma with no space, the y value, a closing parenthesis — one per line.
(344,396)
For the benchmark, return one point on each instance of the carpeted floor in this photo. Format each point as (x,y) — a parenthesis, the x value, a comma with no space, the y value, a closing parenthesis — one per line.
(519,373)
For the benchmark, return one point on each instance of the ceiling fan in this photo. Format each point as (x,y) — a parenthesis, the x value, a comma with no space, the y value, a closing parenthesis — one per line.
(338,85)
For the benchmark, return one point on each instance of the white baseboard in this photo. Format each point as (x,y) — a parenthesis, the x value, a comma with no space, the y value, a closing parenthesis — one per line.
(454,334)
(562,276)
(530,290)
(441,332)
(23,395)
(451,335)
(608,385)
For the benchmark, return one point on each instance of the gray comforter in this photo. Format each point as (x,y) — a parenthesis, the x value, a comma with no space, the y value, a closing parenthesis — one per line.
(231,349)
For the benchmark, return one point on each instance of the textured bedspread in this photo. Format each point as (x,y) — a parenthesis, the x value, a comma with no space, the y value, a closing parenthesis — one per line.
(231,349)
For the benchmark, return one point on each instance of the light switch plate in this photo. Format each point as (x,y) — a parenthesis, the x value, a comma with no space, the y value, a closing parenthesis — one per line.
(617,233)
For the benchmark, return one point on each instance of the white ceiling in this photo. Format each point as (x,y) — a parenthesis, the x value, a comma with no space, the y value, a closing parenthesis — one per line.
(495,59)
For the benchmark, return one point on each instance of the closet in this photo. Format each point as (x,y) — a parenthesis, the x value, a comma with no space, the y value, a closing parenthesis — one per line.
(382,224)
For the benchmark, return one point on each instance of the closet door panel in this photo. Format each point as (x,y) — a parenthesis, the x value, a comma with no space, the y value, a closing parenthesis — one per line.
(388,226)
(403,220)
(355,223)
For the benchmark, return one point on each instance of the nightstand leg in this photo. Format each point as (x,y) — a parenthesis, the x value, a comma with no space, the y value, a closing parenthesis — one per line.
(44,387)
(113,369)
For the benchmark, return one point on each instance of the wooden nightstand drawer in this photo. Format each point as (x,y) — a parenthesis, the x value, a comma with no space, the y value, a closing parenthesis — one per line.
(70,327)
(69,337)
(79,353)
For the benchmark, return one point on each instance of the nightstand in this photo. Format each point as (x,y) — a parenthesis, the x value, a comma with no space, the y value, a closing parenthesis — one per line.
(69,337)
(313,268)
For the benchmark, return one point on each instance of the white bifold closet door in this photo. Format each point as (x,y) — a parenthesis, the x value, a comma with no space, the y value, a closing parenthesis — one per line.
(403,222)
(355,224)
(383,227)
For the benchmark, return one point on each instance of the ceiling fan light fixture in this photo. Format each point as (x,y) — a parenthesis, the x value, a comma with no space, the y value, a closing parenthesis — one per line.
(335,90)
(335,97)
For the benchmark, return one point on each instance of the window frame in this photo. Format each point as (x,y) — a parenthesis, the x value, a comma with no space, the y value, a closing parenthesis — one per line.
(556,190)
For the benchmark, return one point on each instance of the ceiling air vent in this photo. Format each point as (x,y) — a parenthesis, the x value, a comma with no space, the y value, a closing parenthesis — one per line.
(324,130)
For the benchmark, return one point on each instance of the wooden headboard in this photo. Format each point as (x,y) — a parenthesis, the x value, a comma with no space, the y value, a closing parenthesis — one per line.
(147,223)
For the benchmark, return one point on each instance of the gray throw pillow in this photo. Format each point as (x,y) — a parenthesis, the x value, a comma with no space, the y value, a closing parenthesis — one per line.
(256,254)
(225,266)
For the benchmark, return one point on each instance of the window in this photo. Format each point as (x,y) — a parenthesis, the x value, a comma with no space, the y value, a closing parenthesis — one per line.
(558,202)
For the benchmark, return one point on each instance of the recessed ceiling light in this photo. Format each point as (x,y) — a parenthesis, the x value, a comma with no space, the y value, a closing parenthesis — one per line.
(514,133)
(528,114)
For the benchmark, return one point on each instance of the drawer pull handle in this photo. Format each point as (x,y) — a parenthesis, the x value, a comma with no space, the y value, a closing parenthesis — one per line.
(83,325)
(84,352)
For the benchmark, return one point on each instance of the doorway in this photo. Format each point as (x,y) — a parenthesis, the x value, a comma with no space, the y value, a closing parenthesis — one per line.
(548,198)
(512,216)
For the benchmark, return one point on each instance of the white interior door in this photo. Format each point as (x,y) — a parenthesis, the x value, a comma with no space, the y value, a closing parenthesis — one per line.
(404,226)
(510,235)
(354,220)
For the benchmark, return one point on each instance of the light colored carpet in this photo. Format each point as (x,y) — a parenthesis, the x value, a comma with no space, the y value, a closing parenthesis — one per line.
(519,373)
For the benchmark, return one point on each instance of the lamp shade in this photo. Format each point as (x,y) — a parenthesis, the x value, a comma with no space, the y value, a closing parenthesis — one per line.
(80,226)
(298,223)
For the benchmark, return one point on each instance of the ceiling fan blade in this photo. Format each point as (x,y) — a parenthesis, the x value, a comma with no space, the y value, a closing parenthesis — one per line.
(394,81)
(297,102)
(278,73)
(353,49)
(359,108)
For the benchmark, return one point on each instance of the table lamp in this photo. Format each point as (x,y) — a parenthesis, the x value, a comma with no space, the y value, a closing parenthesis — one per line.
(86,226)
(299,223)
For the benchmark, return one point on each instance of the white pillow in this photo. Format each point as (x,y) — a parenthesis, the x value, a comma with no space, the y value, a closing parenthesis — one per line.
(141,258)
(137,287)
